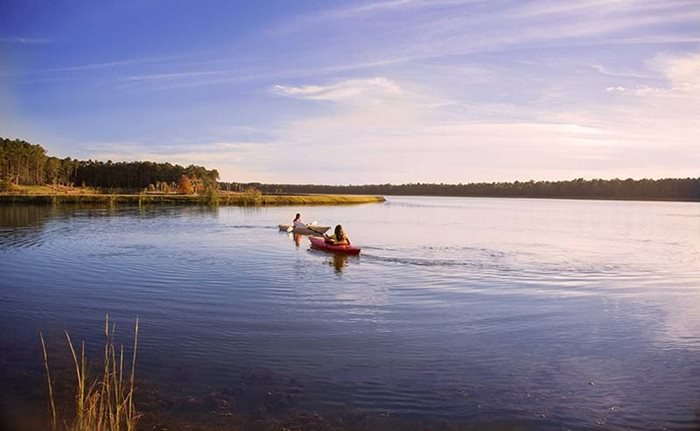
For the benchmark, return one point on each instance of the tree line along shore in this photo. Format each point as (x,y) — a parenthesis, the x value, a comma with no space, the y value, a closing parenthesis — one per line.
(665,189)
(28,174)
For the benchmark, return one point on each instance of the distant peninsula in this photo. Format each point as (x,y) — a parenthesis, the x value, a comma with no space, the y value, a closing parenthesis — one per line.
(28,175)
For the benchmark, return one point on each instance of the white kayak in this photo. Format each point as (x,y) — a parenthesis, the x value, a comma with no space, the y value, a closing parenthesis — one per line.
(309,229)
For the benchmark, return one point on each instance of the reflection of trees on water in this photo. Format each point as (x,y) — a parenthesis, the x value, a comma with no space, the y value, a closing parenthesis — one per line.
(23,225)
(24,215)
(18,216)
(27,225)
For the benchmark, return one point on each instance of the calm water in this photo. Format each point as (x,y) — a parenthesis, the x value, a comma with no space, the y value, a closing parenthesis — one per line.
(543,313)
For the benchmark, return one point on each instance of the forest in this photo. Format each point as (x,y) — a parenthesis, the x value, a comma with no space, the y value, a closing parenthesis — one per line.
(22,163)
(685,189)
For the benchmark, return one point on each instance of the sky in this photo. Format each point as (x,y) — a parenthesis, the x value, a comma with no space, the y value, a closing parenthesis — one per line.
(360,92)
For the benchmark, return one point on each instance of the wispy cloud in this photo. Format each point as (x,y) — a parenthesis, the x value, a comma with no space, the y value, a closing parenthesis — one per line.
(628,73)
(355,91)
(362,10)
(600,8)
(469,27)
(110,64)
(390,6)
(453,28)
(174,75)
(201,78)
(25,40)
(88,67)
(682,73)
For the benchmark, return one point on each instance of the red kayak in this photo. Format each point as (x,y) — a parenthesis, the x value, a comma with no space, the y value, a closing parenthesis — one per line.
(320,244)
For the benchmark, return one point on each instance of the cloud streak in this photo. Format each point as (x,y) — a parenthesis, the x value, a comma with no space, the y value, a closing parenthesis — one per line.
(25,40)
(352,91)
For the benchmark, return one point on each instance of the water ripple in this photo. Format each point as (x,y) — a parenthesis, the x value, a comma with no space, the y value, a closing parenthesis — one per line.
(537,312)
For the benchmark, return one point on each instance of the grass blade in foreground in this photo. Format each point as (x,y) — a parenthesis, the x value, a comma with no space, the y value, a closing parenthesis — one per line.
(105,402)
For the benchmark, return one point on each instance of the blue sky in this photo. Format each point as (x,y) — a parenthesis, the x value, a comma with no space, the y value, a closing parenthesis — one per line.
(355,92)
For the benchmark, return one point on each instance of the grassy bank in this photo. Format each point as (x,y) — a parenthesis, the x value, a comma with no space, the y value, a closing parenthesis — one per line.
(233,199)
(318,199)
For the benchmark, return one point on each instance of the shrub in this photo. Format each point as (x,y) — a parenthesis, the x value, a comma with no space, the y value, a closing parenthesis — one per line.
(252,197)
(211,195)
(184,186)
(6,185)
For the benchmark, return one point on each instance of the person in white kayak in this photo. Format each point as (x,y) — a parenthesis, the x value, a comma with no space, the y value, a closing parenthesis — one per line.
(297,221)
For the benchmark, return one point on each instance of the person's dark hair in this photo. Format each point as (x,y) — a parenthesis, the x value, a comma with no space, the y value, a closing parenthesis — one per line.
(339,234)
(297,217)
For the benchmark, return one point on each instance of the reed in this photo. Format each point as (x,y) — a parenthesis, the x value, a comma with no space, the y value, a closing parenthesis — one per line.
(104,402)
(52,405)
(252,197)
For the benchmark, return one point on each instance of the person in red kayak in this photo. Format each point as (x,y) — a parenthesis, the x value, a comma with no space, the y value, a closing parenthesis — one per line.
(339,238)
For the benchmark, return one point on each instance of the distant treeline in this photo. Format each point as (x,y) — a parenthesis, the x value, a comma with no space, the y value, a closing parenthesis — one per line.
(27,164)
(645,189)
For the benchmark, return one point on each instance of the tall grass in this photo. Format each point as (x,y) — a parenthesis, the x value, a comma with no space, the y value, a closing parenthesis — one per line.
(251,197)
(320,199)
(105,401)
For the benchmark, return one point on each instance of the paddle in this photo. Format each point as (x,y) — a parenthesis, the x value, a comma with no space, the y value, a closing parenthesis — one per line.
(307,226)
(314,230)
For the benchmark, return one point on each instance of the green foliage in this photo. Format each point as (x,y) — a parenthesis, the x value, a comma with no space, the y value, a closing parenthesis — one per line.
(28,164)
(22,161)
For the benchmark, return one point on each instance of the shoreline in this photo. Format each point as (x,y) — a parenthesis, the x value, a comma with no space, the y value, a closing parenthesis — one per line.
(242,200)
(222,200)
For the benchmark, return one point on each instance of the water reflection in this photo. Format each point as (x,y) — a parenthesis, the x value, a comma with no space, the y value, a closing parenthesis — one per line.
(22,225)
(296,238)
(339,261)
(24,215)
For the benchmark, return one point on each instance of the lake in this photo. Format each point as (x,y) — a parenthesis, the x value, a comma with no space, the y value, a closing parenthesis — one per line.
(460,312)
